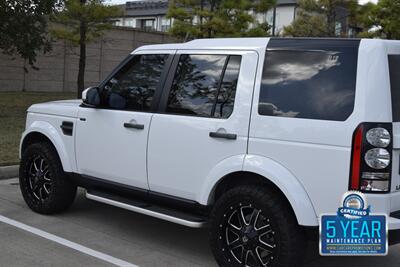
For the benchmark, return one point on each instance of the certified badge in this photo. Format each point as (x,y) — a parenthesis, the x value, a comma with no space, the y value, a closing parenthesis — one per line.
(353,230)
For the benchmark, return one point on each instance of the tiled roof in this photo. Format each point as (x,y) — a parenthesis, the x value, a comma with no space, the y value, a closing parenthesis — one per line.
(286,2)
(160,7)
(147,4)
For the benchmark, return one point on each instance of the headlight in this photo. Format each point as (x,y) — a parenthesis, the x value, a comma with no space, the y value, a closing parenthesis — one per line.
(378,137)
(377,158)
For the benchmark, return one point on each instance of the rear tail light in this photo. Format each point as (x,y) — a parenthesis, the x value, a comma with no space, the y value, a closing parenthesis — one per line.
(378,137)
(371,159)
(377,158)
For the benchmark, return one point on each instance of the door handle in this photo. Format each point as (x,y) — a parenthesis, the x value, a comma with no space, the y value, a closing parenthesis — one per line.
(229,136)
(133,125)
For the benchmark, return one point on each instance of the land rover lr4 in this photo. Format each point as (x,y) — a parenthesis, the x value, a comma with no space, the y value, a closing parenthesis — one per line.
(254,138)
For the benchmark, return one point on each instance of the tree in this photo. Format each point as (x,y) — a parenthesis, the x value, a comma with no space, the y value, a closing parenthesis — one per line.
(382,19)
(81,22)
(318,18)
(23,27)
(307,25)
(218,18)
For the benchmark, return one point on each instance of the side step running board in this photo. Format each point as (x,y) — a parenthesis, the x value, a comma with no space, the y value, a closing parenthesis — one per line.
(148,209)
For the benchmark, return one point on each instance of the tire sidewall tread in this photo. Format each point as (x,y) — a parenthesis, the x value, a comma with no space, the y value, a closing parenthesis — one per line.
(289,237)
(63,191)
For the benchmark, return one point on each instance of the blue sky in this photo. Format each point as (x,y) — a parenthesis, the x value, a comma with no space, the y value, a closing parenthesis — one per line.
(123,1)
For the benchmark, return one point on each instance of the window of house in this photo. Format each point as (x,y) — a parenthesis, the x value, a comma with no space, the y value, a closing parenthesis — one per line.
(204,85)
(134,85)
(118,22)
(148,24)
(129,22)
(165,24)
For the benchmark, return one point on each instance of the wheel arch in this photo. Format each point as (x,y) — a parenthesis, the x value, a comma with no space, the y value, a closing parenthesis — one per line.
(262,171)
(44,132)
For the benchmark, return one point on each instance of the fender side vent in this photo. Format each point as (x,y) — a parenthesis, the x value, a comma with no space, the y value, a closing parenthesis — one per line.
(67,127)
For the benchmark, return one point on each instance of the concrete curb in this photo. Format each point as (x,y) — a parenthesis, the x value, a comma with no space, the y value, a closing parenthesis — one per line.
(9,172)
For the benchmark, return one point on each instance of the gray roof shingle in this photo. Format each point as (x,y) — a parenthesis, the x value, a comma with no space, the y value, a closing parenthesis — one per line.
(160,7)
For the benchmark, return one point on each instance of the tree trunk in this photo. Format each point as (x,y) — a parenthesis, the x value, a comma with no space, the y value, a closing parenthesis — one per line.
(210,31)
(82,55)
(332,18)
(201,16)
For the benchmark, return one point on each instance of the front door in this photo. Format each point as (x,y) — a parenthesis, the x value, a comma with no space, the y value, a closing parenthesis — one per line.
(203,120)
(111,140)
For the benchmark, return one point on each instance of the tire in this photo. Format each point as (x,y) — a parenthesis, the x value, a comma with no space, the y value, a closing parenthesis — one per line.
(43,183)
(256,219)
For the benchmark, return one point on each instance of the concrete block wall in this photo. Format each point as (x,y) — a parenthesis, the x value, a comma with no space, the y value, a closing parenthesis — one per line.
(58,69)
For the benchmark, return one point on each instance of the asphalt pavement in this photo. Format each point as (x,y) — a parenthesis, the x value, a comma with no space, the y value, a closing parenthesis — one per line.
(94,234)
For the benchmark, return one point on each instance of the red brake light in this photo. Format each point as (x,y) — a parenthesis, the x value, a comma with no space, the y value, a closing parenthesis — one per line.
(371,158)
(356,159)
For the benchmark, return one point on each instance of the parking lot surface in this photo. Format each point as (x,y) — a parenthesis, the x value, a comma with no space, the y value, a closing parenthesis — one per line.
(117,234)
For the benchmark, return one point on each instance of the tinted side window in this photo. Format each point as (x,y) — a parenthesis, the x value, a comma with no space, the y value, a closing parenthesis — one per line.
(309,84)
(227,90)
(394,70)
(195,84)
(133,87)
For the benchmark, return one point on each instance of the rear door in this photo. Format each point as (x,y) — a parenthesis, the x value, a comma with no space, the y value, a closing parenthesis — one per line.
(394,71)
(203,119)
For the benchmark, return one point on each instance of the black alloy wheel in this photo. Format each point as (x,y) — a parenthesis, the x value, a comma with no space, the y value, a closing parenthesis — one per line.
(248,236)
(39,178)
(45,186)
(254,226)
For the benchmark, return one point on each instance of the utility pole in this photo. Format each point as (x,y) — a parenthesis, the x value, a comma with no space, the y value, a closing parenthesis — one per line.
(274,21)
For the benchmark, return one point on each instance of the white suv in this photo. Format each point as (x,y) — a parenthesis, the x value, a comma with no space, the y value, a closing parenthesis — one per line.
(255,138)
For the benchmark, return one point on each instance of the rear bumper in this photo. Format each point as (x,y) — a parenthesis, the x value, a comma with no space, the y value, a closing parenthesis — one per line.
(386,204)
(393,222)
(394,237)
(394,228)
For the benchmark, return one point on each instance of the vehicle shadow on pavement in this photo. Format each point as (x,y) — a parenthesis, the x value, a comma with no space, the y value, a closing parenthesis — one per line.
(193,243)
(159,238)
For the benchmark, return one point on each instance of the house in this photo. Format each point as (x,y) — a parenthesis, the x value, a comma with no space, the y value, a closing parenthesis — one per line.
(151,15)
(282,15)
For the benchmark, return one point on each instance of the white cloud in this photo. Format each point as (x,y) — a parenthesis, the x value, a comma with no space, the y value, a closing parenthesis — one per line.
(301,70)
(114,2)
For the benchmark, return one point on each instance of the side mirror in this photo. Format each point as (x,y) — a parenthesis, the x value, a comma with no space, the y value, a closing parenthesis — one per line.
(91,97)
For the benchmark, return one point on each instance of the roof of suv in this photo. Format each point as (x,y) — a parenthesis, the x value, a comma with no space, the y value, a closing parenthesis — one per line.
(246,43)
(216,43)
